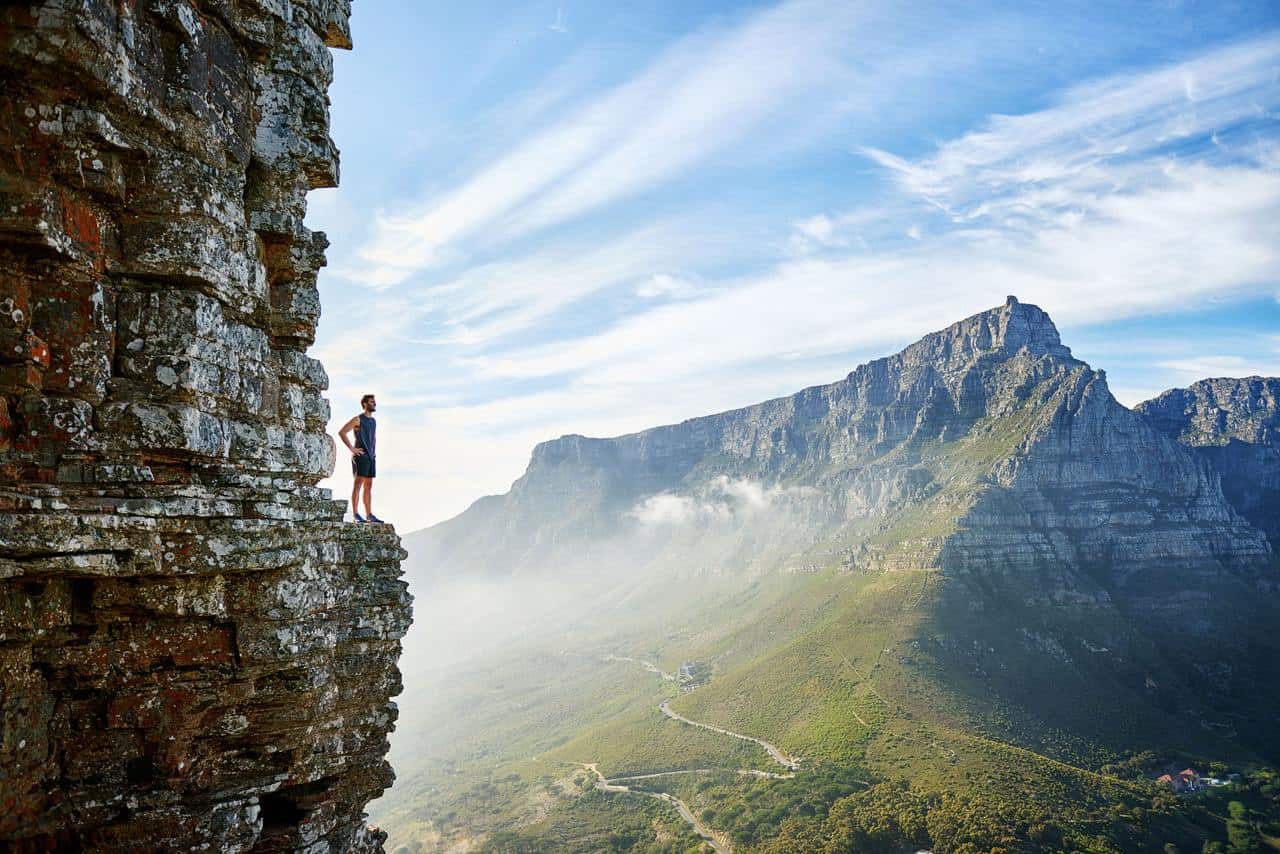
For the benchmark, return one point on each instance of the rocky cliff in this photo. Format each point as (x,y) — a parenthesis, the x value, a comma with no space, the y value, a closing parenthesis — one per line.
(195,652)
(1235,425)
(1076,563)
(985,447)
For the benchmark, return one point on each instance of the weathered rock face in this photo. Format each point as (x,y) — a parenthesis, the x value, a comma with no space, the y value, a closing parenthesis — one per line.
(1085,550)
(983,448)
(1235,425)
(195,652)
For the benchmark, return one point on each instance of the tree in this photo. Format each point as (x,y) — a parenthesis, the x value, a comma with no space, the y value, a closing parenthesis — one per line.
(1242,836)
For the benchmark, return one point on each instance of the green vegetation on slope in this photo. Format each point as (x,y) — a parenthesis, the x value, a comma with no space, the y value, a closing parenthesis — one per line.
(882,678)
(595,821)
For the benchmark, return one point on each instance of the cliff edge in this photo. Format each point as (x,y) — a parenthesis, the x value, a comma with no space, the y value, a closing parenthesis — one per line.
(195,652)
(1235,425)
(982,448)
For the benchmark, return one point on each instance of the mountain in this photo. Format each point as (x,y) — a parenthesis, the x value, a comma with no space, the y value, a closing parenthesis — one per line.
(984,447)
(984,451)
(1234,424)
(963,578)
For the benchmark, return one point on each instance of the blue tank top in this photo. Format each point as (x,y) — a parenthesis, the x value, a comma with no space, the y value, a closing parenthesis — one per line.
(367,435)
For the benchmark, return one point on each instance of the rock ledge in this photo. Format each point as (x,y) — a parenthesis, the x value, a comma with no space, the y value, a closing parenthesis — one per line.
(195,652)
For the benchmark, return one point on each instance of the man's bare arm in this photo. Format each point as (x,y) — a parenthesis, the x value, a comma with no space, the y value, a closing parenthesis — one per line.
(347,428)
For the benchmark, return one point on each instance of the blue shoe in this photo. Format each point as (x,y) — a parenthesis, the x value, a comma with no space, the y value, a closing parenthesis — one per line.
(373,518)
(359,518)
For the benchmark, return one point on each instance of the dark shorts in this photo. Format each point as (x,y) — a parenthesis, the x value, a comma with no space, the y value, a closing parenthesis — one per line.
(363,465)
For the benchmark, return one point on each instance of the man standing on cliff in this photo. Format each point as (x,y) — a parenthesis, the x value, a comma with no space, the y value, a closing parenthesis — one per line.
(364,462)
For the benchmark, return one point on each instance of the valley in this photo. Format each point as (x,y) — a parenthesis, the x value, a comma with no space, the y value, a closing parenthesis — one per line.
(962,600)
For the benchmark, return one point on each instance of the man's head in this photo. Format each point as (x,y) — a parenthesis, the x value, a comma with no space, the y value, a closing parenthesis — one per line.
(368,404)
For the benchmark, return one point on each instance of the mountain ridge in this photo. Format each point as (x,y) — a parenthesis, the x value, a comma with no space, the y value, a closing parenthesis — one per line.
(994,406)
(1024,324)
(1234,424)
(963,562)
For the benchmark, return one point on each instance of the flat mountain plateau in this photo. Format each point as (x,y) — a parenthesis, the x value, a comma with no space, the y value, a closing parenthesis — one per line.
(962,599)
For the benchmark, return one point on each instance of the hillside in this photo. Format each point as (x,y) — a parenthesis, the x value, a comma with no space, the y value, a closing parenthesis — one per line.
(965,569)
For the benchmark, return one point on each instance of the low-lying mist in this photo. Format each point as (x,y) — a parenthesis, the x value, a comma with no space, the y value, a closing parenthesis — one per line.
(489,661)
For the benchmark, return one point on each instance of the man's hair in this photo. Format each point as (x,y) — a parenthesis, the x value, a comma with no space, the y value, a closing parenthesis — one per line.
(365,399)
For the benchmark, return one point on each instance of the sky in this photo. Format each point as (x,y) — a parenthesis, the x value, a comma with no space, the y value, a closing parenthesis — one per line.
(594,218)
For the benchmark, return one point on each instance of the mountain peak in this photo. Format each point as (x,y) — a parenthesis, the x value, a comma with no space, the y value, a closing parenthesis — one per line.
(961,450)
(1004,331)
(1029,326)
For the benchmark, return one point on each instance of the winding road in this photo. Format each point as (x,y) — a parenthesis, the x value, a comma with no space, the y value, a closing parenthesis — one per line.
(665,707)
(716,841)
(708,835)
(778,756)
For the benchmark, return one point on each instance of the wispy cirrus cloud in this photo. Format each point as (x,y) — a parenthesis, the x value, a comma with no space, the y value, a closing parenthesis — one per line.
(1153,190)
(701,95)
(1223,366)
(1150,249)
(485,302)
(1045,158)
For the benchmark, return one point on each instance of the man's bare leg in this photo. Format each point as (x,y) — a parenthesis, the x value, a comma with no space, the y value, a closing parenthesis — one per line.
(368,497)
(355,492)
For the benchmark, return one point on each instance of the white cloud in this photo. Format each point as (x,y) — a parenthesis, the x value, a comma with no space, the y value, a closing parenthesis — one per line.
(492,300)
(1127,117)
(664,285)
(828,234)
(819,229)
(1087,208)
(754,494)
(720,499)
(667,508)
(689,104)
(1202,367)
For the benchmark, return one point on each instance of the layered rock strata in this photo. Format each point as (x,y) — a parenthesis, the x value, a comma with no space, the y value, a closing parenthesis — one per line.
(1235,425)
(195,652)
(984,448)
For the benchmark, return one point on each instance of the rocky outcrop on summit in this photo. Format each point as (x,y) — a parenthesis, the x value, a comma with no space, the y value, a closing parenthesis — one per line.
(195,652)
(1235,425)
(983,448)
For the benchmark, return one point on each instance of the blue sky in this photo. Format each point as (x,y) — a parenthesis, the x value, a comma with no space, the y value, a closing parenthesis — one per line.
(598,217)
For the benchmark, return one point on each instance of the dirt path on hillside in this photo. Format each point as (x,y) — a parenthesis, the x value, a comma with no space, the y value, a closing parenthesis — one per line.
(778,756)
(709,836)
(741,772)
(617,784)
(665,707)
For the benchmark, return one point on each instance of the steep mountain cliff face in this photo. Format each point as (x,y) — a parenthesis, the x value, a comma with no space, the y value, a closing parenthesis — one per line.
(195,652)
(1079,583)
(1235,425)
(985,448)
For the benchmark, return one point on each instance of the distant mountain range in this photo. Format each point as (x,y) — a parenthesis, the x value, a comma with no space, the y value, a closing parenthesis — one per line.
(1234,424)
(985,447)
(965,568)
